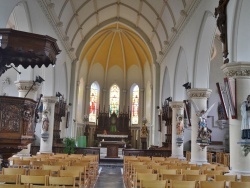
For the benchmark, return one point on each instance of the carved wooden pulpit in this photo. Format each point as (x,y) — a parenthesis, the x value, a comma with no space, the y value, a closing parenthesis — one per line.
(17,123)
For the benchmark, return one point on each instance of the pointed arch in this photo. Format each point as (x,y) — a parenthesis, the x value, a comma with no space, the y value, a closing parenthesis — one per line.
(180,76)
(203,51)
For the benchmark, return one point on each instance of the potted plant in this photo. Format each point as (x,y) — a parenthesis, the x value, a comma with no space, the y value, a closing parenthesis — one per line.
(69,145)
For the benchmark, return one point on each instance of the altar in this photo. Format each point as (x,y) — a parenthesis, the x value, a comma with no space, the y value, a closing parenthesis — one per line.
(113,131)
(112,147)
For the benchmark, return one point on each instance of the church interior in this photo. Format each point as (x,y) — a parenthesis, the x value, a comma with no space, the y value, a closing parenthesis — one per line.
(160,84)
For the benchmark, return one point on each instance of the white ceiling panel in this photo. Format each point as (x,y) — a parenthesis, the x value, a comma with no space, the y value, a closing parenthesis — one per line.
(107,13)
(176,7)
(128,14)
(149,14)
(145,27)
(157,6)
(67,14)
(78,3)
(167,20)
(90,24)
(86,11)
(161,33)
(103,3)
(133,4)
(72,29)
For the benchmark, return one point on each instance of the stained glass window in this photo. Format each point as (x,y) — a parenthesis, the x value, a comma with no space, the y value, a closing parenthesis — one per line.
(135,105)
(114,99)
(93,102)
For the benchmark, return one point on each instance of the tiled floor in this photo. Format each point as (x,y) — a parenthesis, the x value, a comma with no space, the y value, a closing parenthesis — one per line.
(110,175)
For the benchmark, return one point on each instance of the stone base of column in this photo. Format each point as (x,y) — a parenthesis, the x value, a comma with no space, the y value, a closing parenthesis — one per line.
(198,162)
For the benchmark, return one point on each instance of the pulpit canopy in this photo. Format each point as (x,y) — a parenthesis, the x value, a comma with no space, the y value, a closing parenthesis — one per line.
(26,49)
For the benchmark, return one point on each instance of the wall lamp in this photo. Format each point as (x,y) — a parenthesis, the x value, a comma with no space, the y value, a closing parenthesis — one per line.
(187,85)
(39,80)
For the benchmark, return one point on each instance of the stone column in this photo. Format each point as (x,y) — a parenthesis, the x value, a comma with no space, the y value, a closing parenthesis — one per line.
(199,96)
(27,89)
(49,106)
(177,111)
(239,163)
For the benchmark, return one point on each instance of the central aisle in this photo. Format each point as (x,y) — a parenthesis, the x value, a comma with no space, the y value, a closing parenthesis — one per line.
(110,176)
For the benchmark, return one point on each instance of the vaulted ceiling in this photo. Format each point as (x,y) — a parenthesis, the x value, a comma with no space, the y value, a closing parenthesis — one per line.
(80,23)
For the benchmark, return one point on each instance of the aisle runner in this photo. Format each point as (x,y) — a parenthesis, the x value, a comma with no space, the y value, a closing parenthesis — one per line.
(110,177)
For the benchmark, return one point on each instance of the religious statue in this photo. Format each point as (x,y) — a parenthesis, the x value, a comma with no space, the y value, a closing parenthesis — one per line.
(179,125)
(144,130)
(45,120)
(245,123)
(204,133)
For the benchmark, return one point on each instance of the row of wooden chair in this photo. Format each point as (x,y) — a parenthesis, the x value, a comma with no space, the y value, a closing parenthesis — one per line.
(39,176)
(35,163)
(191,184)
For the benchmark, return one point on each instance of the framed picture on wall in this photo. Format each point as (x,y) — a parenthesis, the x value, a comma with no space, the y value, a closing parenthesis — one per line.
(223,98)
(187,112)
(231,96)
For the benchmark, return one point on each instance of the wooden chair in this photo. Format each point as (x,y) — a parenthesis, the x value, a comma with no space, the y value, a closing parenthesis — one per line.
(212,184)
(13,186)
(193,172)
(211,173)
(9,179)
(170,177)
(38,164)
(14,171)
(245,178)
(153,184)
(37,180)
(66,181)
(156,168)
(158,159)
(39,172)
(182,184)
(45,186)
(224,169)
(53,169)
(167,171)
(239,184)
(178,168)
(210,166)
(142,176)
(72,173)
(225,178)
(82,170)
(17,163)
(190,177)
